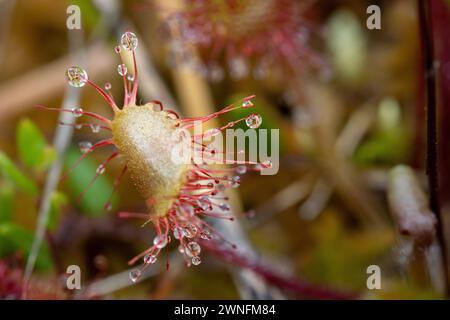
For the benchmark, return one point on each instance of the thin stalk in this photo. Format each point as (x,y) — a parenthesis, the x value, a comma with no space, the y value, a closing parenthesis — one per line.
(432,170)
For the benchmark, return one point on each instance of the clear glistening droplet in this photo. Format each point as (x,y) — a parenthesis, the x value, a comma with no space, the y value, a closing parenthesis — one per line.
(193,249)
(129,41)
(76,76)
(130,77)
(100,169)
(205,235)
(108,86)
(178,232)
(84,146)
(160,241)
(95,128)
(134,275)
(247,104)
(196,261)
(190,230)
(77,112)
(253,121)
(122,69)
(149,259)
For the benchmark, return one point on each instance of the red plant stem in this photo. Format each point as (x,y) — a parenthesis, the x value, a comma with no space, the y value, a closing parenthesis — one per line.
(432,136)
(300,288)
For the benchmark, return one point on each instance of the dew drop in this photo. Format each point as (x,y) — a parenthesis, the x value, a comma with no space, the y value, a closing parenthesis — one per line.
(181,248)
(76,76)
(196,261)
(149,259)
(77,112)
(130,77)
(95,127)
(241,169)
(129,41)
(253,121)
(135,275)
(117,49)
(178,233)
(122,69)
(160,241)
(205,235)
(193,249)
(84,146)
(190,230)
(247,104)
(108,86)
(100,169)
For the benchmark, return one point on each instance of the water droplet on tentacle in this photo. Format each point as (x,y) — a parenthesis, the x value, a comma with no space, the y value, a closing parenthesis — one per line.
(122,69)
(253,121)
(193,249)
(95,127)
(129,41)
(196,261)
(77,112)
(160,241)
(100,169)
(135,275)
(149,259)
(190,230)
(247,104)
(76,76)
(84,146)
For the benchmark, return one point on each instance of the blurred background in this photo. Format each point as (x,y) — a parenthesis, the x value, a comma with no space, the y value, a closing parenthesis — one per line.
(351,104)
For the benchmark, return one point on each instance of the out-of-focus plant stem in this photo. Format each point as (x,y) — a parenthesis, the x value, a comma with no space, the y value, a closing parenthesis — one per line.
(324,107)
(60,143)
(426,32)
(300,288)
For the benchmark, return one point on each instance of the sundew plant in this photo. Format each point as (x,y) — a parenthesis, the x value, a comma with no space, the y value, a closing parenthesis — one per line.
(224,149)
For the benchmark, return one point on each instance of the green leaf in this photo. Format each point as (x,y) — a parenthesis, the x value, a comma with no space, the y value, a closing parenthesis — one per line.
(14,175)
(30,144)
(6,201)
(98,193)
(57,201)
(15,238)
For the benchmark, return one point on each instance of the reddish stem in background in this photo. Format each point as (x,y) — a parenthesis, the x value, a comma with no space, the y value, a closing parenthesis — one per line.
(432,160)
(300,288)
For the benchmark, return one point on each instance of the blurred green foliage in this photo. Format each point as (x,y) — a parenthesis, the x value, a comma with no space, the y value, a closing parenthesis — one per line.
(389,143)
(95,198)
(33,150)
